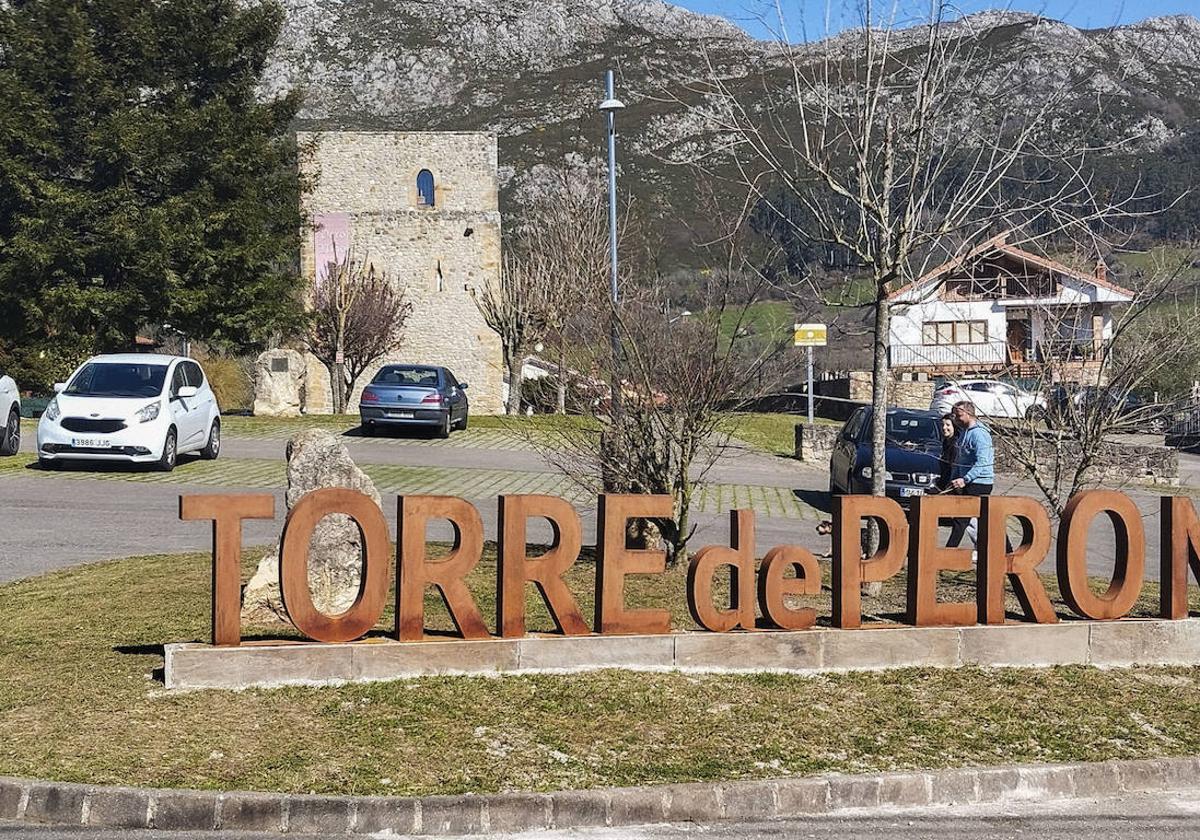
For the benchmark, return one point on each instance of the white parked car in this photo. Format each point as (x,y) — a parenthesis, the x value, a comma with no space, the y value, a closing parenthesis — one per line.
(131,407)
(10,416)
(991,399)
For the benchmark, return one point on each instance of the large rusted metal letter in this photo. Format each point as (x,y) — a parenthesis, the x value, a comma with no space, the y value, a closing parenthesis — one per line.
(1179,549)
(448,574)
(293,564)
(514,568)
(614,561)
(773,587)
(926,558)
(1129,557)
(1020,566)
(849,571)
(227,512)
(738,556)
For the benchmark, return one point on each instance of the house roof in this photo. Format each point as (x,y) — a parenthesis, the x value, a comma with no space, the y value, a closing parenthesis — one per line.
(1001,245)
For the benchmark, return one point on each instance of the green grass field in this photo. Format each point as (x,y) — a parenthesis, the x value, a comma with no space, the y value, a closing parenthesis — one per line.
(80,701)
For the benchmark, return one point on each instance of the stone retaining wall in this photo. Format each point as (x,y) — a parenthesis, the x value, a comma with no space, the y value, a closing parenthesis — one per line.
(814,443)
(1116,463)
(1104,643)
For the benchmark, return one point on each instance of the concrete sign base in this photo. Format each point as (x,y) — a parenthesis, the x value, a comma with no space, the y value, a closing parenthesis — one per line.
(1106,644)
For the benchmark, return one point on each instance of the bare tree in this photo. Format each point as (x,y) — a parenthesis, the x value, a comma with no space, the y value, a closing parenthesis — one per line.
(1097,379)
(894,153)
(572,235)
(557,271)
(358,319)
(680,378)
(514,306)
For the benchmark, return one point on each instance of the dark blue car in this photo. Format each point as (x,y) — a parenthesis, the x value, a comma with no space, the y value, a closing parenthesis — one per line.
(414,395)
(914,448)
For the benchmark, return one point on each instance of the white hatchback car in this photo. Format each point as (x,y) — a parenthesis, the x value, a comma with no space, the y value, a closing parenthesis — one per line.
(991,399)
(133,407)
(10,416)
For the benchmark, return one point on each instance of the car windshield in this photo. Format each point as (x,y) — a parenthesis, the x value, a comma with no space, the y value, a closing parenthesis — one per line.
(911,431)
(407,376)
(117,379)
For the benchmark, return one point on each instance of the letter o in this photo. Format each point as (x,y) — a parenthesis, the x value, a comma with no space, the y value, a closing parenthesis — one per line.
(293,565)
(1129,565)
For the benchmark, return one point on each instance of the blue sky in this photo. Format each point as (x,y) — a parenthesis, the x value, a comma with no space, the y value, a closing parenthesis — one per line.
(1082,13)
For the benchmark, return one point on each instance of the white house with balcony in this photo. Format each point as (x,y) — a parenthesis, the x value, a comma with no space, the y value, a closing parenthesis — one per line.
(1001,309)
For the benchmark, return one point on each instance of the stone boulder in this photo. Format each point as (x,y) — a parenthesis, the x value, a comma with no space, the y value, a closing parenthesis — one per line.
(279,383)
(315,459)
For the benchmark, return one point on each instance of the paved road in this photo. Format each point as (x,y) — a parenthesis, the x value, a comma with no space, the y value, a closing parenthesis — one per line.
(1175,815)
(49,521)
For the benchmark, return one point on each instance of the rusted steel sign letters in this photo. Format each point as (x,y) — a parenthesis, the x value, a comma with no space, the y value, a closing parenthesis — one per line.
(785,570)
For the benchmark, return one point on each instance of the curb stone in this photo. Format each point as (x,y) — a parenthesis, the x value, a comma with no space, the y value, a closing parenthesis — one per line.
(68,804)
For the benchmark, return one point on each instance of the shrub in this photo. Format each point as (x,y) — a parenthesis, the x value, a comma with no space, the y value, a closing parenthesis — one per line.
(231,380)
(36,368)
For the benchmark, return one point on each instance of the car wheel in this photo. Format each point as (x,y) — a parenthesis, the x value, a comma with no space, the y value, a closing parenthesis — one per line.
(10,442)
(833,488)
(47,464)
(444,429)
(166,461)
(1036,414)
(213,448)
(368,429)
(463,424)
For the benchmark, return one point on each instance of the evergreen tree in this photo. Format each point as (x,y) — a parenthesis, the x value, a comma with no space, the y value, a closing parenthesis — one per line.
(141,179)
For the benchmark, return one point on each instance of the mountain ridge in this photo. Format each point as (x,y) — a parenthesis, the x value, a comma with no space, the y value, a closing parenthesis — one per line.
(532,73)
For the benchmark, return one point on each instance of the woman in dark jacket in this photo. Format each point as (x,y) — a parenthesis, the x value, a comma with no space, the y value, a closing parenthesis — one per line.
(949,450)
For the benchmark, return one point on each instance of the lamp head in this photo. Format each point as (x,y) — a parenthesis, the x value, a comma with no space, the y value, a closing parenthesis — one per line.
(610,105)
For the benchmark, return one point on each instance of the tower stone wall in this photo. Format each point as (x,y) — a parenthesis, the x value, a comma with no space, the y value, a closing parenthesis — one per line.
(365,197)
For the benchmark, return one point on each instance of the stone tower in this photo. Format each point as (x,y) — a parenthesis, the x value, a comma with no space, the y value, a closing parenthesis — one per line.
(423,208)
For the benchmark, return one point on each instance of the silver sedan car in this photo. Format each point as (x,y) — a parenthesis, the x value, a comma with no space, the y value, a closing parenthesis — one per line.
(414,395)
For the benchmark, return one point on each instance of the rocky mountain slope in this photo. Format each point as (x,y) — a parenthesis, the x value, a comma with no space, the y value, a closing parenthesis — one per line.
(531,70)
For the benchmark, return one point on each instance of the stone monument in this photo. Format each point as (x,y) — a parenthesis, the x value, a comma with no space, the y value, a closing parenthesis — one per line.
(279,383)
(315,459)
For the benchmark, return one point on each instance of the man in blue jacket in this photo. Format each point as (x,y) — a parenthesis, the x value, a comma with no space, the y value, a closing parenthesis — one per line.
(972,473)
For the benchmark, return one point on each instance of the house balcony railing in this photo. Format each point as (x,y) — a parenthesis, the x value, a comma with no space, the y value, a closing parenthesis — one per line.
(1069,350)
(989,353)
(992,354)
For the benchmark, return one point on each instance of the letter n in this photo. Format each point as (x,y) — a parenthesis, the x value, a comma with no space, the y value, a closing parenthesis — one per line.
(1179,545)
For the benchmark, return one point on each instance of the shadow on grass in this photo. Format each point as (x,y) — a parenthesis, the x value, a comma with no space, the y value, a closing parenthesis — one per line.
(158,674)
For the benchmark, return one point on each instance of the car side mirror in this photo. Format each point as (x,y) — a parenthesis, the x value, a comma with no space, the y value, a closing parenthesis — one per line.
(59,387)
(462,386)
(186,392)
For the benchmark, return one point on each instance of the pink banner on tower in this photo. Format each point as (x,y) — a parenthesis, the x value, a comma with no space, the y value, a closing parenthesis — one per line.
(331,240)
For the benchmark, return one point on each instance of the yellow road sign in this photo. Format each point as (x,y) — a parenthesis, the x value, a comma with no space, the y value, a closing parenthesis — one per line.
(810,335)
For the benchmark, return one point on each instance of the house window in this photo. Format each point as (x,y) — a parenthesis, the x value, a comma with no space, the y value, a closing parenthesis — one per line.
(425,189)
(954,332)
(1075,328)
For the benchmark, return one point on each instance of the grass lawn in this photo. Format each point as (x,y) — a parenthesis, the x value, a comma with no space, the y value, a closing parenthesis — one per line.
(771,433)
(79,701)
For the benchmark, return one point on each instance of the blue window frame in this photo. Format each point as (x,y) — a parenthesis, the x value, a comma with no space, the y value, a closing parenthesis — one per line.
(425,187)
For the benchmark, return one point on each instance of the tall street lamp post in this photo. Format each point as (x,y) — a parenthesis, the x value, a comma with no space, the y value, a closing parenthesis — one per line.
(609,108)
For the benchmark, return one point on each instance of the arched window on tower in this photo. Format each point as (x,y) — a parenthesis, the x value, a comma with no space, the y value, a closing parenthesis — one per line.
(425,192)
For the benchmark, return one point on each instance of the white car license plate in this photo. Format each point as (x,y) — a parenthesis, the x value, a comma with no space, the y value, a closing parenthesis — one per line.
(89,443)
(912,491)
(401,415)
